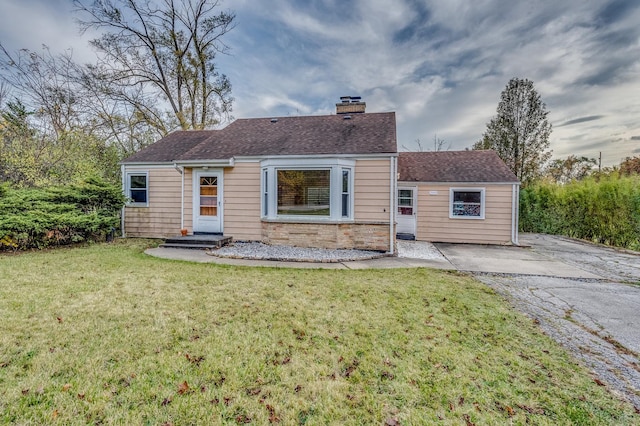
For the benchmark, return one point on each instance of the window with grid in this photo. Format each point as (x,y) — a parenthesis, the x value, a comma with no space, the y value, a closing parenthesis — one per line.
(138,189)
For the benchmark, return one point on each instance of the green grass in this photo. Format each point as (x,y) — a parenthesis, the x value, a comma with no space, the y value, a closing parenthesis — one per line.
(105,334)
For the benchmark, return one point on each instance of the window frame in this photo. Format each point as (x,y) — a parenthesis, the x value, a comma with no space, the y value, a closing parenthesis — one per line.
(452,192)
(264,208)
(346,205)
(412,206)
(130,202)
(269,183)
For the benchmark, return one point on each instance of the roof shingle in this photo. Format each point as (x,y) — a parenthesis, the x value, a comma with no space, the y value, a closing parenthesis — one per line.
(369,133)
(454,166)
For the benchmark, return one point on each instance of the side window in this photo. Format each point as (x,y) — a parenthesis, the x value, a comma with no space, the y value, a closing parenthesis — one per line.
(346,193)
(265,193)
(467,203)
(138,189)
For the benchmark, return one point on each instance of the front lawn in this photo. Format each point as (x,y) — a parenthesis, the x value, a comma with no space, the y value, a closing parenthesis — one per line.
(105,334)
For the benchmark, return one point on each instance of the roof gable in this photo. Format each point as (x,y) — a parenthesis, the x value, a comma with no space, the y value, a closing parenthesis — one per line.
(454,166)
(369,133)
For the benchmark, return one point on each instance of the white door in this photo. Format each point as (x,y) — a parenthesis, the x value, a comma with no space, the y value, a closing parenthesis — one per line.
(207,202)
(406,216)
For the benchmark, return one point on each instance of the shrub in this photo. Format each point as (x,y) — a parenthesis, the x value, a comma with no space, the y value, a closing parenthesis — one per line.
(41,217)
(604,210)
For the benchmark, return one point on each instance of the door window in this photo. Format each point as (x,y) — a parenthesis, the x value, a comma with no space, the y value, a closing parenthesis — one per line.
(208,196)
(405,202)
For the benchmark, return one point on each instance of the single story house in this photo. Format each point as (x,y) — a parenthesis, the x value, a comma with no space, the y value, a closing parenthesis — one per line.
(332,181)
(457,197)
(314,181)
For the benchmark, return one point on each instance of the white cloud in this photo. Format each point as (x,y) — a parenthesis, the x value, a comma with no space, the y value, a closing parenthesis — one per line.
(440,65)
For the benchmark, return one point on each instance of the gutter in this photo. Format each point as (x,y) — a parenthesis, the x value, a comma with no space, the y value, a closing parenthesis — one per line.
(392,202)
(180,170)
(200,163)
(123,180)
(229,162)
(515,212)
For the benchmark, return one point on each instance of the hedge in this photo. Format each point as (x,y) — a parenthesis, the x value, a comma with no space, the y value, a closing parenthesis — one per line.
(600,209)
(42,217)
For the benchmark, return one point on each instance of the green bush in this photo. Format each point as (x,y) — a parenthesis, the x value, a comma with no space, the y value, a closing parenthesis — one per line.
(41,217)
(604,210)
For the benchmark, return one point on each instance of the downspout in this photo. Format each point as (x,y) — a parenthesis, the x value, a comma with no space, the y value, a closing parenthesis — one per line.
(392,202)
(123,180)
(181,171)
(515,212)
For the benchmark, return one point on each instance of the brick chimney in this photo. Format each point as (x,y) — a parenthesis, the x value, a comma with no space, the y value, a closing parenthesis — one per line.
(350,105)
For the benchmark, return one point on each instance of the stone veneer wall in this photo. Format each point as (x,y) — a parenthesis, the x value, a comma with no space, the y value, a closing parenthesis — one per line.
(363,236)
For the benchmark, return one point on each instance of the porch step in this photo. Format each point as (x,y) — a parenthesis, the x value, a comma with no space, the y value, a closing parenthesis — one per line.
(198,242)
(403,236)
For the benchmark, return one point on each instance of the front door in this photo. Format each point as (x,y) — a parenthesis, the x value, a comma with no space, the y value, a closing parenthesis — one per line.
(406,211)
(207,202)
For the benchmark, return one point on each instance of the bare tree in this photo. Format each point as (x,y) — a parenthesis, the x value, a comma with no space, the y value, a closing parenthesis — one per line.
(164,51)
(438,145)
(41,80)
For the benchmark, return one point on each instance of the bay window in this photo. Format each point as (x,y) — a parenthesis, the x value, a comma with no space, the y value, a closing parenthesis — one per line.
(308,190)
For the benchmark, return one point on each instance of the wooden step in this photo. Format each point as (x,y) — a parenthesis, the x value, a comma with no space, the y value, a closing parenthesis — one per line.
(190,246)
(199,241)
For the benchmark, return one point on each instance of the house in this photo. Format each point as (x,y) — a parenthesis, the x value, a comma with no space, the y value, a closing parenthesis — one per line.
(315,181)
(332,181)
(457,197)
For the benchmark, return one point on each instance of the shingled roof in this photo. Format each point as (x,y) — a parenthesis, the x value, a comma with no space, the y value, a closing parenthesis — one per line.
(454,166)
(369,133)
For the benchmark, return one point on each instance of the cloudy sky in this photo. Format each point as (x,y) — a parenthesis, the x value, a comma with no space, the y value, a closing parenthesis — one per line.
(440,65)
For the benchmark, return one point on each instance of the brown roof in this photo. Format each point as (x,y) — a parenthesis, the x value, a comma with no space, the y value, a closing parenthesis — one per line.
(453,166)
(369,133)
(170,147)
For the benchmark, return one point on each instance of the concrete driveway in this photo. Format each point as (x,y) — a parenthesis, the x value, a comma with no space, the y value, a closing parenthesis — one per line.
(585,296)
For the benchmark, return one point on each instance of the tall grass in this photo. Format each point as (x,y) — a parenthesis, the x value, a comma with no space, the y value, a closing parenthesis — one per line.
(603,210)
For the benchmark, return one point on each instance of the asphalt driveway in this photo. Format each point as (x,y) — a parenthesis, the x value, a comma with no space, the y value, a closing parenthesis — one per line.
(585,296)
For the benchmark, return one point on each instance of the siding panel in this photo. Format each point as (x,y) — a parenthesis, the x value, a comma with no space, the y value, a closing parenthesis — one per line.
(433,222)
(188,199)
(371,190)
(242,202)
(162,217)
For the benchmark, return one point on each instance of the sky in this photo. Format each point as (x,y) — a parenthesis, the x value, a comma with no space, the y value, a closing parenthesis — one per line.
(440,65)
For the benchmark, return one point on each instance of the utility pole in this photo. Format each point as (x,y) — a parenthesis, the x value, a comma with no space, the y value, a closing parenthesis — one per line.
(600,163)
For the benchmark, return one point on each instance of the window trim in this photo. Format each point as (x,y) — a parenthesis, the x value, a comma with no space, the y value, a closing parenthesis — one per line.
(129,175)
(482,191)
(269,199)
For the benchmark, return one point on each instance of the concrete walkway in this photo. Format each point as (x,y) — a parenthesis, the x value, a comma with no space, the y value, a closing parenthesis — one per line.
(380,263)
(471,258)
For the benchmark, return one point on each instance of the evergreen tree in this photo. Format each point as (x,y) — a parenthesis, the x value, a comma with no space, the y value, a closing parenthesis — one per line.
(520,131)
